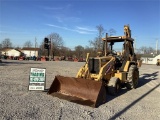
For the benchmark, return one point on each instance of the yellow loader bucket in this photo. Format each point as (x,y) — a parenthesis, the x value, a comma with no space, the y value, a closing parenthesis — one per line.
(79,90)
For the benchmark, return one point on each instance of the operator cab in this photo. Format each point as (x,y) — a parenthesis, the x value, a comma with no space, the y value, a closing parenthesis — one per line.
(127,52)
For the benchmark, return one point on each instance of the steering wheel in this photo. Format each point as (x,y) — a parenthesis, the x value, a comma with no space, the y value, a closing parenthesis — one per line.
(112,52)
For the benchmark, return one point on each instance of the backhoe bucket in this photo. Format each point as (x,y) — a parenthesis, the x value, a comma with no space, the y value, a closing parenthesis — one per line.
(82,91)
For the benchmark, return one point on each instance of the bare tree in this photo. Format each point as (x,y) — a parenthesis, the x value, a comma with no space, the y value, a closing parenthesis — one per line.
(111,32)
(147,50)
(65,51)
(43,52)
(17,47)
(28,44)
(56,39)
(57,43)
(6,43)
(97,43)
(79,51)
(151,50)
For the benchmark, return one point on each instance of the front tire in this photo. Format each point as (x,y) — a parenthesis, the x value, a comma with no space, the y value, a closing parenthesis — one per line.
(114,86)
(132,77)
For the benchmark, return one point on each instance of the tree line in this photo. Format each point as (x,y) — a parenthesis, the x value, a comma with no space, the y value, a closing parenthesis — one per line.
(58,48)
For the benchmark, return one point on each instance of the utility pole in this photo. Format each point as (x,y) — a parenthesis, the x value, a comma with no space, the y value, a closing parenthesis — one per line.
(35,42)
(35,47)
(51,46)
(157,46)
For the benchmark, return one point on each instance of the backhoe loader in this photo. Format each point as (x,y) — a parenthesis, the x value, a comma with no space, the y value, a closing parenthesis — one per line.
(100,75)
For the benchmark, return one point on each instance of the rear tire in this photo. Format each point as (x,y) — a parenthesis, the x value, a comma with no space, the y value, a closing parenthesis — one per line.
(132,77)
(114,86)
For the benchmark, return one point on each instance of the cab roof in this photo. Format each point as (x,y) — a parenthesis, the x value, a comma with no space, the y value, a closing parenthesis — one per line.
(118,39)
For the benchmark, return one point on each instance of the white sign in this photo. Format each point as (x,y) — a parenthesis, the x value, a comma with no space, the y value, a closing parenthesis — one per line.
(37,79)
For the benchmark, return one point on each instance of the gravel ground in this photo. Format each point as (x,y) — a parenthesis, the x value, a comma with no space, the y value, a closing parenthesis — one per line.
(17,102)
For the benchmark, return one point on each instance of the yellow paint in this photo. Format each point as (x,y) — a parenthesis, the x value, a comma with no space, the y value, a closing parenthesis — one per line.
(121,76)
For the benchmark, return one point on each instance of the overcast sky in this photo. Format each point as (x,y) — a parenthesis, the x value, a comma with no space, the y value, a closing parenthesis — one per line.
(76,20)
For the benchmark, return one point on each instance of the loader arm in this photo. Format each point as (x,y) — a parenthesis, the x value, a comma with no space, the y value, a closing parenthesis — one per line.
(105,69)
(84,72)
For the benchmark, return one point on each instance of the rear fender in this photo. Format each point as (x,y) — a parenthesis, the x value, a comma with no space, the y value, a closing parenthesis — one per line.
(127,65)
